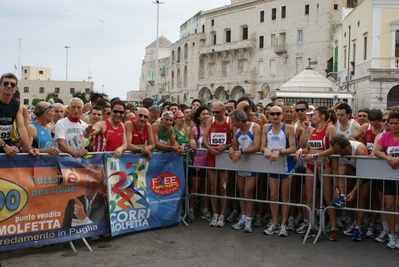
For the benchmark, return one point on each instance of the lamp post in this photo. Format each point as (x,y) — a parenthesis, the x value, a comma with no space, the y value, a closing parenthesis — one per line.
(156,57)
(66,69)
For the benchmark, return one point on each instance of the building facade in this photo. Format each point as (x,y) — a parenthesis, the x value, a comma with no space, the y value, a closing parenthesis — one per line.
(366,54)
(240,49)
(36,83)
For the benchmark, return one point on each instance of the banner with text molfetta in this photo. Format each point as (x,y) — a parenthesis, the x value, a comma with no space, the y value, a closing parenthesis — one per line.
(33,194)
(142,193)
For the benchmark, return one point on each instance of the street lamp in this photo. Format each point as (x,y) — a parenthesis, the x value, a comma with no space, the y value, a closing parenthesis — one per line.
(66,74)
(156,56)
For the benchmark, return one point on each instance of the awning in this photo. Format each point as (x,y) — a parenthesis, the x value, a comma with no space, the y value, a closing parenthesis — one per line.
(312,95)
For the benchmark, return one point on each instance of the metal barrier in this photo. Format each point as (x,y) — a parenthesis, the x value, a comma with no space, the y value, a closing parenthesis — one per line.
(370,168)
(251,163)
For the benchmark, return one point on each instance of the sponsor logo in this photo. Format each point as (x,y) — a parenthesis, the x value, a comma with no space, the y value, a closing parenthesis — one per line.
(13,199)
(165,184)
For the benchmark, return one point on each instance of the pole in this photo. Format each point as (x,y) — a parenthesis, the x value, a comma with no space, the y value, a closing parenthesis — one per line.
(156,57)
(66,60)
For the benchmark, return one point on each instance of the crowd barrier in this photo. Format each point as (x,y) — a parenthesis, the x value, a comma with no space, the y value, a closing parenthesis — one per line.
(367,167)
(52,199)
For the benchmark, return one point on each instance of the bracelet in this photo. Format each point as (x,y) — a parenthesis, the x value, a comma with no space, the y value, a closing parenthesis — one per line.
(242,152)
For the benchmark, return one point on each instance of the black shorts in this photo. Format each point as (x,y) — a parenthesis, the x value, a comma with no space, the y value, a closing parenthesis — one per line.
(387,187)
(196,172)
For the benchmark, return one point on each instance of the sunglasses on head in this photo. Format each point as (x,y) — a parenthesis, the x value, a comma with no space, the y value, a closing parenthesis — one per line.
(51,106)
(300,109)
(142,115)
(275,113)
(216,112)
(8,83)
(121,112)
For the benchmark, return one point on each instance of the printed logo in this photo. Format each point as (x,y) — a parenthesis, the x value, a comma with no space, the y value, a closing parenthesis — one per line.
(13,199)
(165,184)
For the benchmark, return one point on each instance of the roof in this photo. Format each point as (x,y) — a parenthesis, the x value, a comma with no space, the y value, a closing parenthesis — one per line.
(162,42)
(309,80)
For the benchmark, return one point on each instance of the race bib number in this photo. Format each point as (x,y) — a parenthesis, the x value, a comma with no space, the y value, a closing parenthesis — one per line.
(185,147)
(272,150)
(316,144)
(5,132)
(393,151)
(218,138)
(370,147)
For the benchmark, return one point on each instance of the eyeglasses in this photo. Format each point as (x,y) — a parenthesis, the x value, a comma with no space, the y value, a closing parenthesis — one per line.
(275,113)
(142,115)
(8,83)
(384,120)
(51,106)
(121,112)
(300,109)
(216,112)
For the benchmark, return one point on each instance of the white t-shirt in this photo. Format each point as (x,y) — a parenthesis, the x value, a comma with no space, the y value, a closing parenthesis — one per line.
(71,132)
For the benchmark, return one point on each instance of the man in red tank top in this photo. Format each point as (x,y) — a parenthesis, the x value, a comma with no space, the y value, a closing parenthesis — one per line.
(110,133)
(217,137)
(139,134)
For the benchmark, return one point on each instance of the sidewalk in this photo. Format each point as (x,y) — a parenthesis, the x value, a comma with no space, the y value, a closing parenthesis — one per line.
(200,245)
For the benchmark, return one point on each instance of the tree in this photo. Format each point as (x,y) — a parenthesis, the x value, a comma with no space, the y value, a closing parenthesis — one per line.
(36,100)
(80,95)
(51,95)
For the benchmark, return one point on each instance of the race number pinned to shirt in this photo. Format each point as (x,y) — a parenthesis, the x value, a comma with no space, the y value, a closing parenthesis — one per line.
(5,132)
(393,151)
(218,138)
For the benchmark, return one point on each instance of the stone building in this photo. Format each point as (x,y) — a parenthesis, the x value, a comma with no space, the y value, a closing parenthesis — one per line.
(366,54)
(241,48)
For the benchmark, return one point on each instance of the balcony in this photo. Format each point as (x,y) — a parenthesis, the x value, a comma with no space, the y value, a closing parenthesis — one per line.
(280,48)
(243,44)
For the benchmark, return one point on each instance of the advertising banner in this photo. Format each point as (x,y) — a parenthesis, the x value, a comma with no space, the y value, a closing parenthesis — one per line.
(144,194)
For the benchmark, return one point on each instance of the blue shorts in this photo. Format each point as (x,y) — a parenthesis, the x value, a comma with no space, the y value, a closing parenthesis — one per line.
(279,176)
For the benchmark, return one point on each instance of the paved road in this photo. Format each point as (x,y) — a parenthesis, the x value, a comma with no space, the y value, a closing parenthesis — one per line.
(200,245)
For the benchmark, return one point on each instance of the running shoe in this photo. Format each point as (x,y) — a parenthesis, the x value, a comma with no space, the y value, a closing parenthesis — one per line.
(339,202)
(339,223)
(240,225)
(382,237)
(327,227)
(191,217)
(229,210)
(311,234)
(356,236)
(272,229)
(366,222)
(283,231)
(266,217)
(248,226)
(397,243)
(233,216)
(302,228)
(206,216)
(298,219)
(220,222)
(214,221)
(370,232)
(258,221)
(349,231)
(333,236)
(291,224)
(392,241)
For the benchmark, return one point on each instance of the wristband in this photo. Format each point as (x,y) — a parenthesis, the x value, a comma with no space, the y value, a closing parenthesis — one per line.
(315,156)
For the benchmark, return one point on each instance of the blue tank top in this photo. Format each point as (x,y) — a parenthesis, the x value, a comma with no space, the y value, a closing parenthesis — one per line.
(43,137)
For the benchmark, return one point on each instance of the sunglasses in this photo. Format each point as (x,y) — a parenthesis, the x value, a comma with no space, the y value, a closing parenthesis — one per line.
(8,83)
(142,115)
(51,106)
(300,109)
(275,113)
(121,112)
(216,112)
(384,120)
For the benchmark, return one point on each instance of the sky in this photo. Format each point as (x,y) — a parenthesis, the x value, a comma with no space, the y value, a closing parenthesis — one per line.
(107,38)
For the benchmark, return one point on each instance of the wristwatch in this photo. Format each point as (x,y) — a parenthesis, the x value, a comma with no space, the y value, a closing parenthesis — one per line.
(3,145)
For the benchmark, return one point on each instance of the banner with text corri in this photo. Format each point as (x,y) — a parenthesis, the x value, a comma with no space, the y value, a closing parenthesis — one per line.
(142,193)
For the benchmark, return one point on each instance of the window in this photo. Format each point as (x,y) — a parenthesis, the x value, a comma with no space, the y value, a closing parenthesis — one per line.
(26,101)
(212,22)
(345,57)
(87,91)
(71,91)
(273,67)
(283,10)
(203,28)
(41,90)
(228,36)
(354,53)
(261,41)
(245,33)
(262,16)
(57,90)
(214,39)
(335,6)
(299,64)
(40,72)
(300,36)
(25,71)
(397,44)
(306,9)
(260,68)
(365,48)
(274,13)
(26,89)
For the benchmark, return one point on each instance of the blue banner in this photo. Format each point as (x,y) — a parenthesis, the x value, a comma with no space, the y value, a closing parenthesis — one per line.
(142,193)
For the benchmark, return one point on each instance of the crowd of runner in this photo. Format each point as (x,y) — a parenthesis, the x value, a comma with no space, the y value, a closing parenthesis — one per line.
(303,135)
